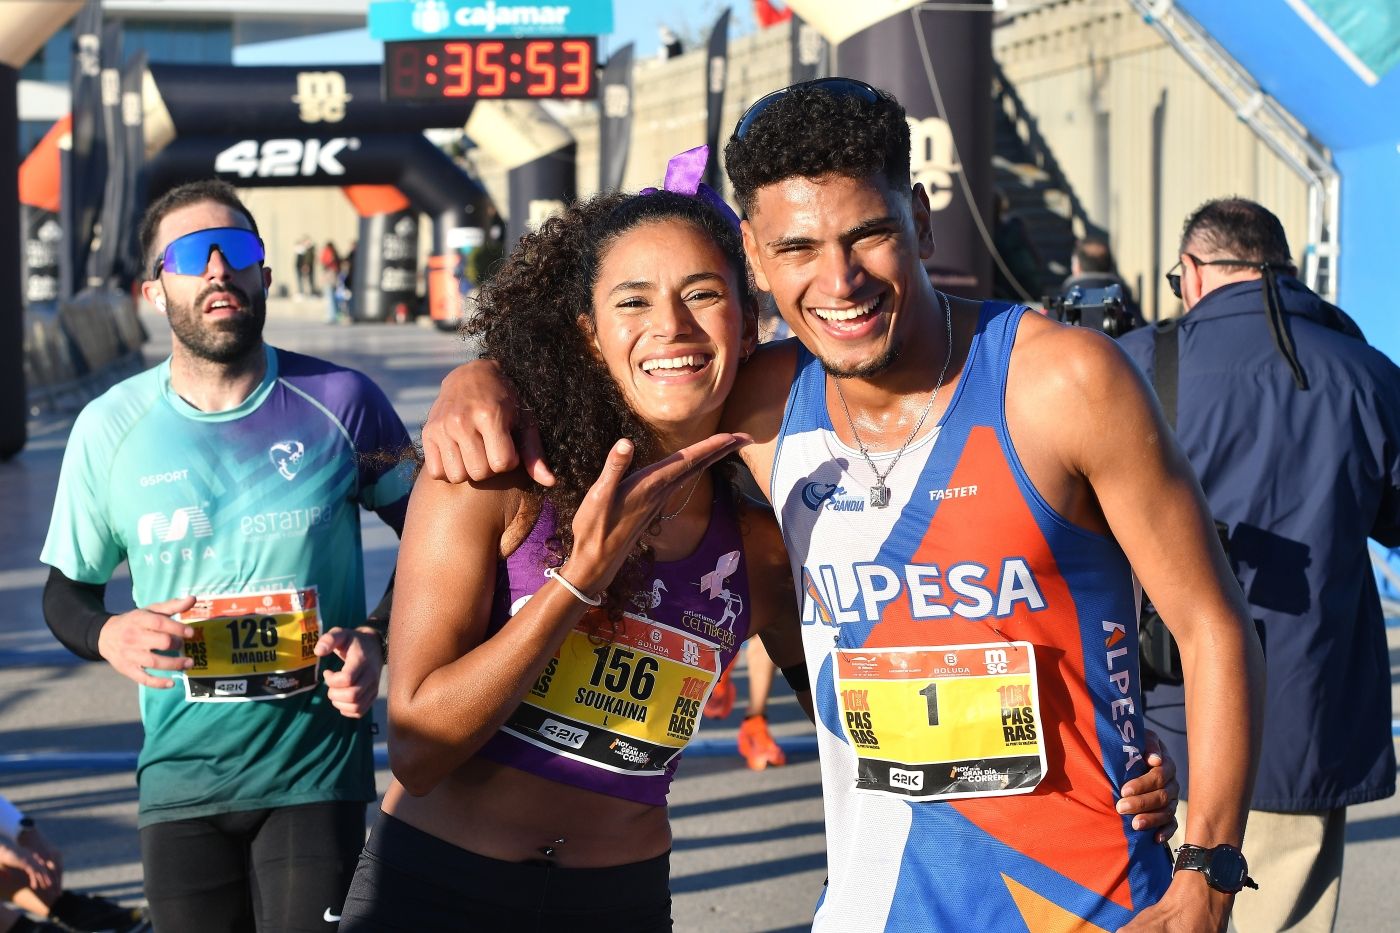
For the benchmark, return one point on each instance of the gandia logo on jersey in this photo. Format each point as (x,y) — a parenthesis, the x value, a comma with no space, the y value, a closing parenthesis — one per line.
(177,526)
(831,496)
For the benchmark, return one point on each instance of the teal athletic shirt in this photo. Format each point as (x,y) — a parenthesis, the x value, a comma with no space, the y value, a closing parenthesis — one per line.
(256,499)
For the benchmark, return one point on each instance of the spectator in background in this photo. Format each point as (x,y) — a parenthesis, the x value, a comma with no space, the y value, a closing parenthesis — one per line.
(1292,424)
(306,266)
(1012,241)
(345,284)
(31,879)
(330,279)
(1091,266)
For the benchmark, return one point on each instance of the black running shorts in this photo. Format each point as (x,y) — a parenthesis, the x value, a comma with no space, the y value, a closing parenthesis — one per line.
(410,881)
(283,870)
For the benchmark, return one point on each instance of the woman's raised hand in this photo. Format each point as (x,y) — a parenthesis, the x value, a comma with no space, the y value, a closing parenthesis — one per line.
(619,508)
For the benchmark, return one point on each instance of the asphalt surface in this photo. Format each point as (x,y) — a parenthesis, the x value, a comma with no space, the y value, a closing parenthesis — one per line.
(749,846)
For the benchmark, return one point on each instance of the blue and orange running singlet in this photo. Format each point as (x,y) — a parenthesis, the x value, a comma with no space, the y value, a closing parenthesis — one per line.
(975,675)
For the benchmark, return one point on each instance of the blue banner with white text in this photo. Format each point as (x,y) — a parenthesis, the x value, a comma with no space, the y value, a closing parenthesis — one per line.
(397,20)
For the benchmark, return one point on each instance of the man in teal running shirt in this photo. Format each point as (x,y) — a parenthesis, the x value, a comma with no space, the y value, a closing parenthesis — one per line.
(229,478)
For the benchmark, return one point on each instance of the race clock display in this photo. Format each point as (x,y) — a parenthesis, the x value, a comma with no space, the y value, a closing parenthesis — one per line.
(490,69)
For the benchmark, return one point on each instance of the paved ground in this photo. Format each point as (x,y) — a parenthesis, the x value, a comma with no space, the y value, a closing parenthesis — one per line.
(748,853)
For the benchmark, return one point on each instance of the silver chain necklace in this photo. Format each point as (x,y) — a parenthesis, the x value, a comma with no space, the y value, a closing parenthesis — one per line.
(654,529)
(880,493)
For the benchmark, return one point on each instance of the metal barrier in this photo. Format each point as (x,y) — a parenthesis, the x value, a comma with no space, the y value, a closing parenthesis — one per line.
(76,350)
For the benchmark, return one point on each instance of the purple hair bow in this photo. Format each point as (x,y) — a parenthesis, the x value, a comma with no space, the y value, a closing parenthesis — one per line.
(683,174)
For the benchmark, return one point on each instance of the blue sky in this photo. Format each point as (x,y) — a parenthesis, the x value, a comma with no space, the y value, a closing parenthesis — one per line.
(635,21)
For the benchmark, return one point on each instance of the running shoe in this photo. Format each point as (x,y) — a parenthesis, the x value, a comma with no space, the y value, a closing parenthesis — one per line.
(757,746)
(85,913)
(721,701)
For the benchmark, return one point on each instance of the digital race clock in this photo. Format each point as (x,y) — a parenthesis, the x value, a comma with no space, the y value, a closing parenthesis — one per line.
(484,69)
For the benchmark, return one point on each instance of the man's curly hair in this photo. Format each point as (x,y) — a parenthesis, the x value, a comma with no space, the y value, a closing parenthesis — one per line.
(535,319)
(810,132)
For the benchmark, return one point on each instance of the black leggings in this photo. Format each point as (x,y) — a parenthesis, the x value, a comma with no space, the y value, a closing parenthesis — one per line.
(283,870)
(414,882)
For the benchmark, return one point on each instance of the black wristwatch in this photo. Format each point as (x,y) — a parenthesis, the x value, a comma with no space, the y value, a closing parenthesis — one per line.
(381,629)
(1224,867)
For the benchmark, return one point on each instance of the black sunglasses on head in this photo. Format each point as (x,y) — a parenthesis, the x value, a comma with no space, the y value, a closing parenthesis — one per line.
(838,87)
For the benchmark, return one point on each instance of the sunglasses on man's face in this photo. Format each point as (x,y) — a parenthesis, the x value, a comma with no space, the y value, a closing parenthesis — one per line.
(838,87)
(1174,276)
(189,254)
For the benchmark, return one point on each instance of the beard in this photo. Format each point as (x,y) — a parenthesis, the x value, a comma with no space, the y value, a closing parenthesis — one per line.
(864,369)
(225,340)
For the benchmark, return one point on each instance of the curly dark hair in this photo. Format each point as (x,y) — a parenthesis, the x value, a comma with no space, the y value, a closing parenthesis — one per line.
(810,131)
(535,319)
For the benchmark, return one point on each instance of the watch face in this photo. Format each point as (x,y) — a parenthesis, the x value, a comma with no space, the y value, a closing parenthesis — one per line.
(1225,870)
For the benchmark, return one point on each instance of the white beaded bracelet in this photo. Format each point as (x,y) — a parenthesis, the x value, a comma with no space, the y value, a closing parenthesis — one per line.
(558,577)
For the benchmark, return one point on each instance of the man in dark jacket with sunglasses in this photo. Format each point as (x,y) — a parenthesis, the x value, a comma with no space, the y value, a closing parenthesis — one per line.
(1292,423)
(229,478)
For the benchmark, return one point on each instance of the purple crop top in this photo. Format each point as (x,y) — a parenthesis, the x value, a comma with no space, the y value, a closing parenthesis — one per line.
(613,717)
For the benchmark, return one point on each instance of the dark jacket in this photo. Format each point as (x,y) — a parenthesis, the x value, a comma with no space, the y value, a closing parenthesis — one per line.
(1302,478)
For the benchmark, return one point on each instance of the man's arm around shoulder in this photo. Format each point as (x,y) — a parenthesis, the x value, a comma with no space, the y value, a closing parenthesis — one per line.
(756,404)
(476,428)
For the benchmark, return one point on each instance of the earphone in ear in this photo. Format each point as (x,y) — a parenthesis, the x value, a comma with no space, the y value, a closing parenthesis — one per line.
(160,302)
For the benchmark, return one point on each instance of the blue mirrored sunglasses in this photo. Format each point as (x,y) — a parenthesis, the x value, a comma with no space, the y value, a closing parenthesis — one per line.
(839,87)
(189,255)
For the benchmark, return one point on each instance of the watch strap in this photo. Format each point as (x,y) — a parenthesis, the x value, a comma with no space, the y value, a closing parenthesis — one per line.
(1195,858)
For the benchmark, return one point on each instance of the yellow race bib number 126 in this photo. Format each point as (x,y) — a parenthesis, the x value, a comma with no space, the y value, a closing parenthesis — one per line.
(252,646)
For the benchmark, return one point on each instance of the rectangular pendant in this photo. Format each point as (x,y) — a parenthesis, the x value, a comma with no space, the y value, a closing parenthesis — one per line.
(879,496)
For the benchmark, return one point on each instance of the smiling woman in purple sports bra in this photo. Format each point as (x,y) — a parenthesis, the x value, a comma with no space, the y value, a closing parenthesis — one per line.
(533,735)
